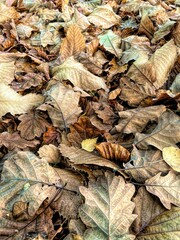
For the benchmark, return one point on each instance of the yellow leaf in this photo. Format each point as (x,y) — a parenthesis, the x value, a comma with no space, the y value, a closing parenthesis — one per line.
(74,42)
(89,144)
(171,156)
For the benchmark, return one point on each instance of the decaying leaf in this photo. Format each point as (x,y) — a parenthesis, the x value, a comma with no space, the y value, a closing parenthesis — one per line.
(166,133)
(113,151)
(78,75)
(74,42)
(167,188)
(32,125)
(108,208)
(135,120)
(14,103)
(103,16)
(164,226)
(50,153)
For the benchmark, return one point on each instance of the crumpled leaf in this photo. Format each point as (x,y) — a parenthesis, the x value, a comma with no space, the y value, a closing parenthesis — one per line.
(32,125)
(74,42)
(78,75)
(171,156)
(103,16)
(80,156)
(19,176)
(164,226)
(147,208)
(7,13)
(166,133)
(108,208)
(62,110)
(175,33)
(89,144)
(145,164)
(14,103)
(135,120)
(113,151)
(14,140)
(167,188)
(111,42)
(175,87)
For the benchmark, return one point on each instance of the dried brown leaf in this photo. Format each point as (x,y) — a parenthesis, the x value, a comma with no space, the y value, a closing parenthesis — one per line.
(113,151)
(74,42)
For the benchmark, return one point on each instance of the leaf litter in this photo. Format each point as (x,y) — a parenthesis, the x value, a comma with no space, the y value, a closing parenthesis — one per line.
(89,119)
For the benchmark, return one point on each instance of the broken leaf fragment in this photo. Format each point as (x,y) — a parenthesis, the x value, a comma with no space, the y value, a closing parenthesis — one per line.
(171,156)
(89,144)
(108,208)
(7,13)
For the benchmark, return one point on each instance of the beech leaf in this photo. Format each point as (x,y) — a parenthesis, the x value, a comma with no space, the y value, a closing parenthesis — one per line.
(171,156)
(135,120)
(103,16)
(167,188)
(78,75)
(111,42)
(164,226)
(7,13)
(74,42)
(108,208)
(166,133)
(14,103)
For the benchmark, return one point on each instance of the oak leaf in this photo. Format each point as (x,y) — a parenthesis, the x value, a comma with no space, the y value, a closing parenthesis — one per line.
(78,75)
(14,103)
(165,134)
(167,188)
(32,125)
(108,208)
(164,226)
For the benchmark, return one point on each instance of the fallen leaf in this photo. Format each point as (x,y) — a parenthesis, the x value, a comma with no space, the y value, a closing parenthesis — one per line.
(74,42)
(145,164)
(111,42)
(166,133)
(147,208)
(135,120)
(171,156)
(49,153)
(7,13)
(113,151)
(78,75)
(108,208)
(58,98)
(167,188)
(32,125)
(104,16)
(14,140)
(164,226)
(14,103)
(89,144)
(80,156)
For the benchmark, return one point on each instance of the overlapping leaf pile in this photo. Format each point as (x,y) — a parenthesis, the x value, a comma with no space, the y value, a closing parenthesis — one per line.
(89,119)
